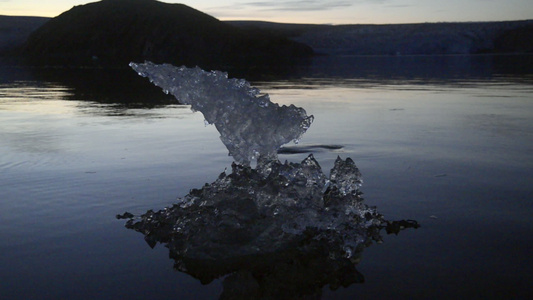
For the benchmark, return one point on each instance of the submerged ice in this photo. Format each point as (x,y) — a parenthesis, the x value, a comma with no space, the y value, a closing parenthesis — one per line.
(251,221)
(250,125)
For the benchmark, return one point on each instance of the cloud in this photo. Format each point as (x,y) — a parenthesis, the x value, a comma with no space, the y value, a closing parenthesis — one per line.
(315,5)
(298,5)
(294,10)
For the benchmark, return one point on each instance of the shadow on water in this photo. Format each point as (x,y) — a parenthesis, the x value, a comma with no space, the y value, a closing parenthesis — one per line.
(296,149)
(435,69)
(107,86)
(122,87)
(119,86)
(279,231)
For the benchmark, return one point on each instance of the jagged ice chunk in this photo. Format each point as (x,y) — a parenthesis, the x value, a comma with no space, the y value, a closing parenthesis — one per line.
(250,125)
(263,210)
(254,218)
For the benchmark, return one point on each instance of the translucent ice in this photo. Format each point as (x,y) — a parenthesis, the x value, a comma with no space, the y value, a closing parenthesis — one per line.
(278,225)
(250,125)
(266,209)
(273,226)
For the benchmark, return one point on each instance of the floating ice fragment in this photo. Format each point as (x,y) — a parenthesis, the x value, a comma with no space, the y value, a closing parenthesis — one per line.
(247,120)
(275,211)
(268,207)
(251,222)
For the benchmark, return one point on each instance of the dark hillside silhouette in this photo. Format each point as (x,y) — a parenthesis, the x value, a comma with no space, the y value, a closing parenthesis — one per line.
(14,30)
(516,40)
(115,32)
(406,39)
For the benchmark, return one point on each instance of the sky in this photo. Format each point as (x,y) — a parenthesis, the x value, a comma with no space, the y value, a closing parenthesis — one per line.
(320,11)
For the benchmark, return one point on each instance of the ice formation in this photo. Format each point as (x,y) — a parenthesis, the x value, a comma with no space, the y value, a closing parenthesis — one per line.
(265,209)
(250,125)
(268,225)
(280,230)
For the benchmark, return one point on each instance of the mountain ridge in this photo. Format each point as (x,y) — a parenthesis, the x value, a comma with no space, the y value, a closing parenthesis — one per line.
(14,30)
(406,39)
(114,32)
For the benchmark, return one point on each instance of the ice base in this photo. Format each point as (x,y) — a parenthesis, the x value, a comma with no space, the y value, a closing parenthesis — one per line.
(265,210)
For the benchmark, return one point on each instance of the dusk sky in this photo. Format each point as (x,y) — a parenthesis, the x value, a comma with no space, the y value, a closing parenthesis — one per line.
(320,11)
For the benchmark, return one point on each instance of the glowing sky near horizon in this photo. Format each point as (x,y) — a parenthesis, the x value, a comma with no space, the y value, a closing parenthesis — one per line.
(320,11)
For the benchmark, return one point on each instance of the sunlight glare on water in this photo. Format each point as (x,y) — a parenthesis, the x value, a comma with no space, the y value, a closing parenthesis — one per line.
(35,98)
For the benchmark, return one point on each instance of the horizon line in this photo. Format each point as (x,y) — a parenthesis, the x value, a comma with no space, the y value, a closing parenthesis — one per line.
(324,24)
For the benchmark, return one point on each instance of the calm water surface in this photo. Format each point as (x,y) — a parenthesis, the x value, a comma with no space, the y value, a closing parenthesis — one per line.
(447,141)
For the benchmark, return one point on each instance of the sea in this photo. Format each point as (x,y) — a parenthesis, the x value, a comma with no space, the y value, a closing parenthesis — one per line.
(446,141)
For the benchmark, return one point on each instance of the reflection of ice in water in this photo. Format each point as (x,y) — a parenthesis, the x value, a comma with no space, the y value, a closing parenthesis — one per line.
(252,221)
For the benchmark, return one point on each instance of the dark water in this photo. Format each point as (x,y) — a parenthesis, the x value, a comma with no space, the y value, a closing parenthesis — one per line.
(445,140)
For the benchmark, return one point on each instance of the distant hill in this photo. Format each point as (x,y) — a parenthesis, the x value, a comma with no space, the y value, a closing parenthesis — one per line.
(115,32)
(406,39)
(517,39)
(15,30)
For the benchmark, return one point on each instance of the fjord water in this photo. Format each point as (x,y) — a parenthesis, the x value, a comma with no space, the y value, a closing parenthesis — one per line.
(444,140)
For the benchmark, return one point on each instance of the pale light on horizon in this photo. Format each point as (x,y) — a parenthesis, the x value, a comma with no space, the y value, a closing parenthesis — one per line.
(320,11)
